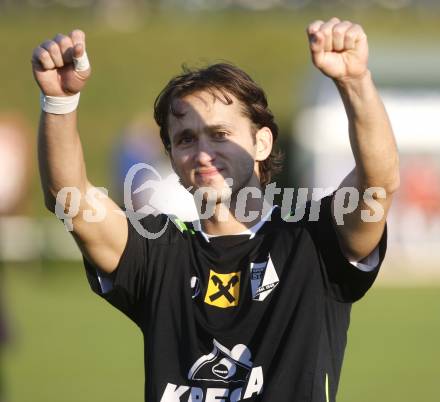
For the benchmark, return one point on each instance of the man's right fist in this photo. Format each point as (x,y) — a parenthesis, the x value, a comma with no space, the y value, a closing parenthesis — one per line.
(55,64)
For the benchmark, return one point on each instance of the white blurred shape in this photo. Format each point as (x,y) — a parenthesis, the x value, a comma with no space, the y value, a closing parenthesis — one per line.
(12,167)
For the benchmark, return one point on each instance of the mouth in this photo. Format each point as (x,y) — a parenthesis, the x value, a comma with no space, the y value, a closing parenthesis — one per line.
(206,173)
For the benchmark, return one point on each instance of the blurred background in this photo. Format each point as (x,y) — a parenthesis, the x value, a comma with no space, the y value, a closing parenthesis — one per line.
(58,341)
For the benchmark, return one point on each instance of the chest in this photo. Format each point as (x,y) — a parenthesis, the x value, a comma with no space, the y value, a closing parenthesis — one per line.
(233,287)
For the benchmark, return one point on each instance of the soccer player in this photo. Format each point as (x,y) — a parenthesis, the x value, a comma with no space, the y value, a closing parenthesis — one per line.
(237,306)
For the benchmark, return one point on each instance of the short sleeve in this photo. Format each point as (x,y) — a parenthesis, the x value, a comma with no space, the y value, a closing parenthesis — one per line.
(127,286)
(343,281)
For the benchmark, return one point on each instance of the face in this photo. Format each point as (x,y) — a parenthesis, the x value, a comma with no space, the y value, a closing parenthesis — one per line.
(214,141)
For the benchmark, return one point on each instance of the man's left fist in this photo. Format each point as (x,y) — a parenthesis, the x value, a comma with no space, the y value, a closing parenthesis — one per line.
(339,49)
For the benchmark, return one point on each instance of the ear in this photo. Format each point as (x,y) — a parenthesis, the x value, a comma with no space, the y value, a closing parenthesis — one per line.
(263,143)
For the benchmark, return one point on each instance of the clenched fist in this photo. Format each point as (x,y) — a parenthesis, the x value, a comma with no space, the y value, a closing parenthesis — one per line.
(339,48)
(58,65)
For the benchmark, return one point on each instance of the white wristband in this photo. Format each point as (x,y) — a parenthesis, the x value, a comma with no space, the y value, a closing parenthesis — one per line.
(59,104)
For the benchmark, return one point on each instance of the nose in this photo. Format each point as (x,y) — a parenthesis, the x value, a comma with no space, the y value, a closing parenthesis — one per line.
(205,153)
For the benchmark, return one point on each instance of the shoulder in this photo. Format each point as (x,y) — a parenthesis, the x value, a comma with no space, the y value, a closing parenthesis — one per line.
(160,229)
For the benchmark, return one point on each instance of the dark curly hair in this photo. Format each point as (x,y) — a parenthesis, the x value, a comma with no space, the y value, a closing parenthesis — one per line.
(228,80)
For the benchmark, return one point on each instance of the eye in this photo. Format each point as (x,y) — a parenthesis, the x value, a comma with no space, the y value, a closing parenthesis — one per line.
(186,139)
(220,135)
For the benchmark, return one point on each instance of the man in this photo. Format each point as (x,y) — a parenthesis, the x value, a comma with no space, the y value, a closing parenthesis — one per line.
(240,306)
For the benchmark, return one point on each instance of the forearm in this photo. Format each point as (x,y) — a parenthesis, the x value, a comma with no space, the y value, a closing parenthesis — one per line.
(371,135)
(60,155)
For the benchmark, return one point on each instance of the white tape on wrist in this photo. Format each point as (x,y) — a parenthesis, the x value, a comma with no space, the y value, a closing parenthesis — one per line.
(81,63)
(59,104)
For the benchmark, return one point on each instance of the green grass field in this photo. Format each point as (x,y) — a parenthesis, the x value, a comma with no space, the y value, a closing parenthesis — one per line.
(71,346)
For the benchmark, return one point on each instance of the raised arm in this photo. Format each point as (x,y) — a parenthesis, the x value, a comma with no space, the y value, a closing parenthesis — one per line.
(61,69)
(340,51)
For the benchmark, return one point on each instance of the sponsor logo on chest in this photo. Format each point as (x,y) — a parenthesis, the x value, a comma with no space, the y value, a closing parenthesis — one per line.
(232,369)
(223,289)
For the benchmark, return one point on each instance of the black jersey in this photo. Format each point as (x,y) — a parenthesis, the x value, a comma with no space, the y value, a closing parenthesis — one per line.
(238,318)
